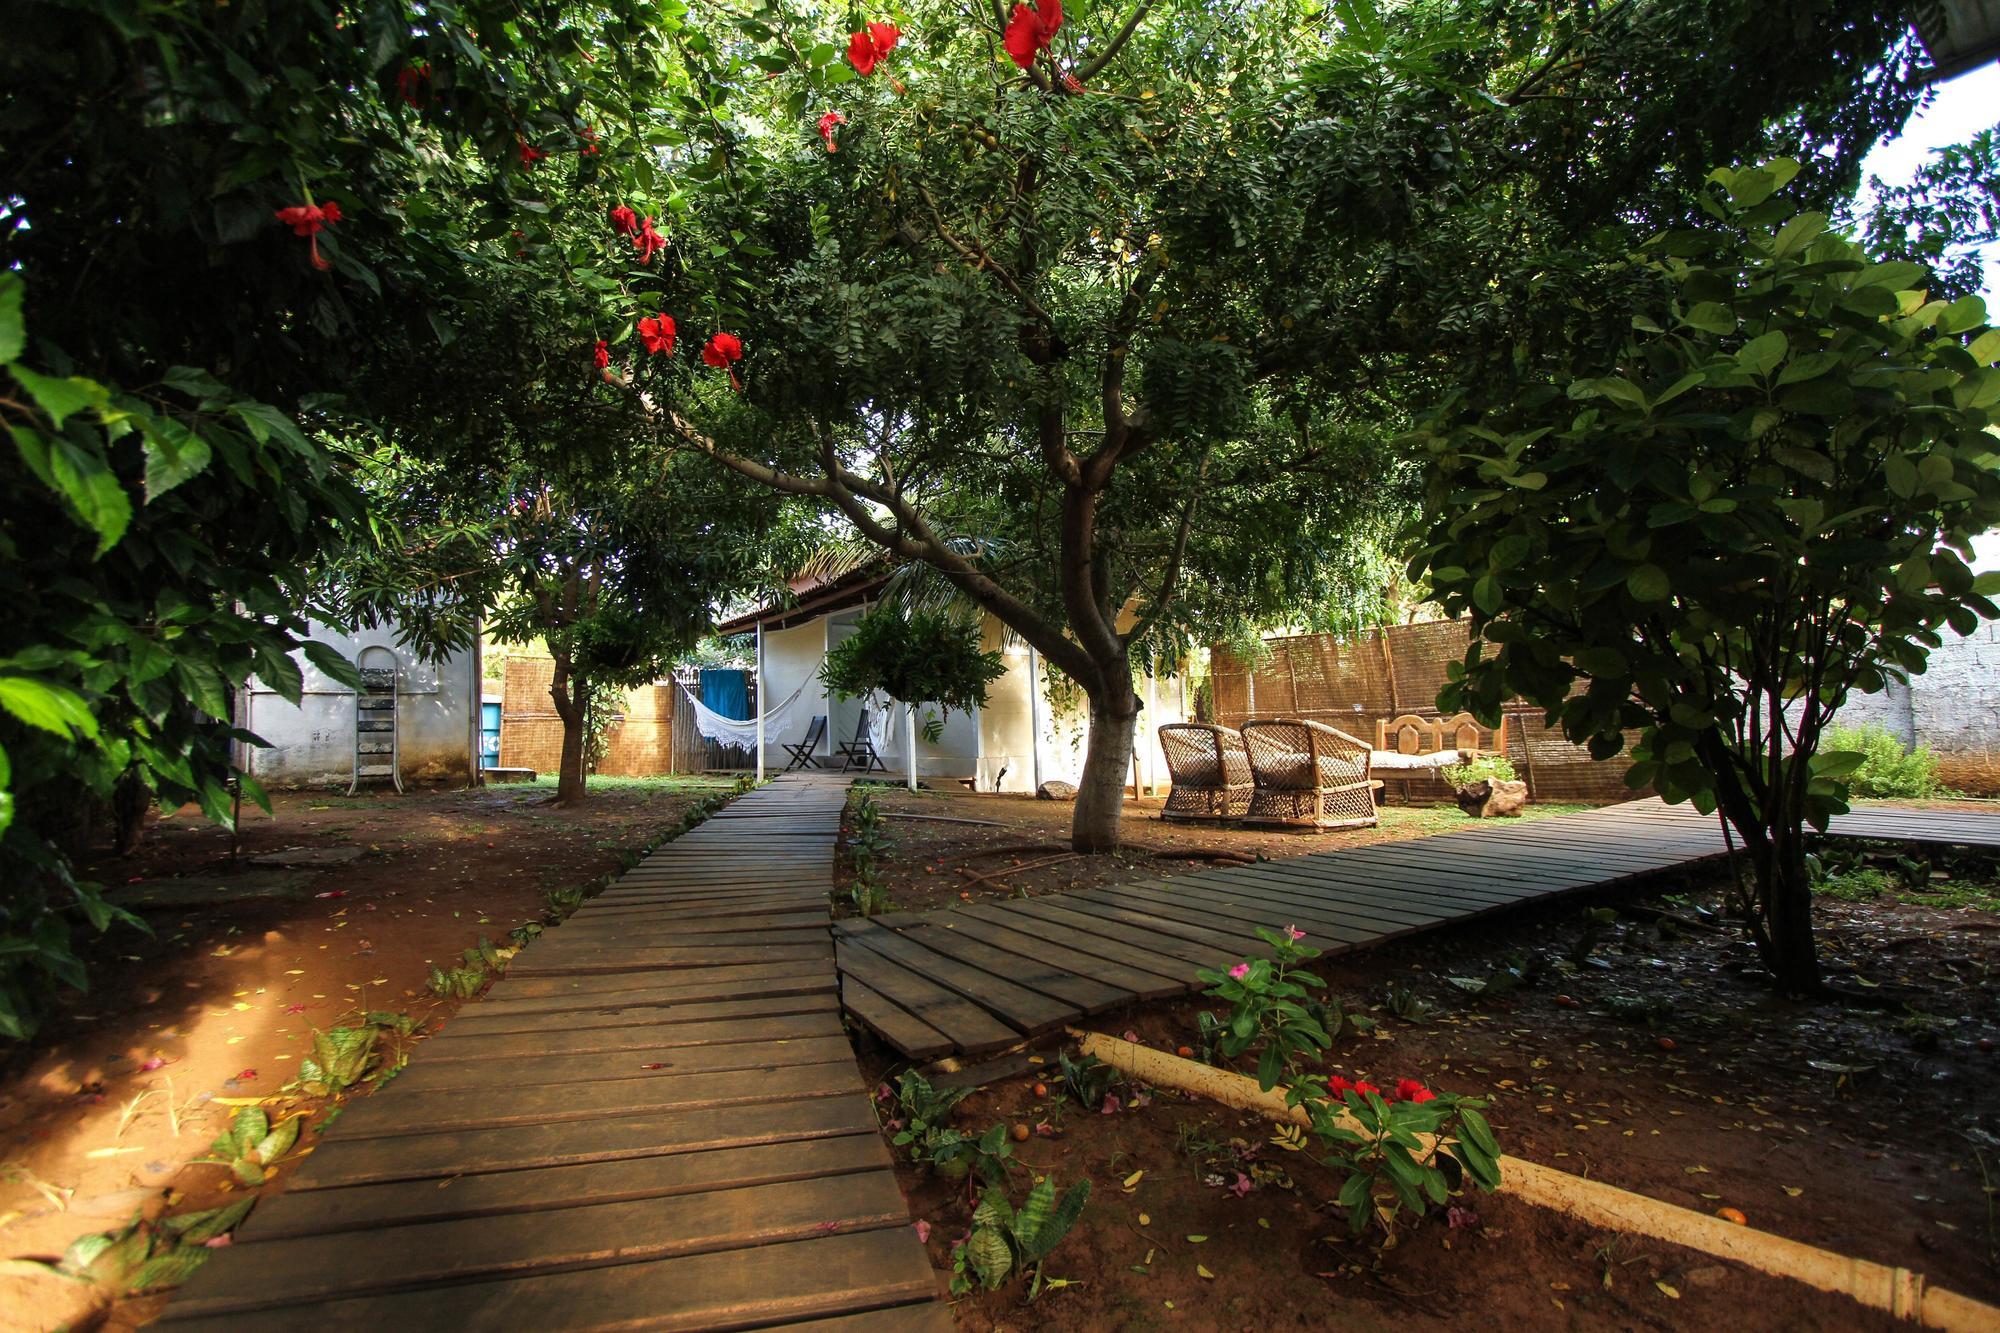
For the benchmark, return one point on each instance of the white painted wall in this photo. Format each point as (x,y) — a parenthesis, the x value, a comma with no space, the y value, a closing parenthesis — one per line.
(312,742)
(791,657)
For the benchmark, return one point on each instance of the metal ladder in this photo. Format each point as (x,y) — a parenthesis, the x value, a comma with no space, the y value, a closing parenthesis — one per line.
(378,751)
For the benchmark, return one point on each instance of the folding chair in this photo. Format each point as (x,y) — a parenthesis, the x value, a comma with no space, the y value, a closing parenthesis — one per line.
(802,754)
(860,752)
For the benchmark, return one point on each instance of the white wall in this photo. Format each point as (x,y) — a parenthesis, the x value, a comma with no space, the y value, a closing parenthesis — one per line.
(312,742)
(791,657)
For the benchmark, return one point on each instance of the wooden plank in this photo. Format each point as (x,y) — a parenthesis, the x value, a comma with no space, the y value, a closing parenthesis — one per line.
(823,1020)
(303,1269)
(895,1025)
(1359,893)
(363,1161)
(967,1026)
(1366,910)
(646,1064)
(1071,989)
(1089,944)
(1232,939)
(581,959)
(294,1212)
(713,983)
(420,1113)
(1019,1007)
(1332,929)
(1141,984)
(764,1284)
(1062,911)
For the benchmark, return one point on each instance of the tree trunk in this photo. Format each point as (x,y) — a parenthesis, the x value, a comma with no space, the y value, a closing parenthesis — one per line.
(1107,762)
(1793,955)
(567,692)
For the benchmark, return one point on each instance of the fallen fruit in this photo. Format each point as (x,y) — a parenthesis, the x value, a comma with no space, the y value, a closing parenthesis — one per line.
(1986,1044)
(1184,1052)
(1566,1001)
(1669,1044)
(1041,1089)
(1733,1215)
(1020,1133)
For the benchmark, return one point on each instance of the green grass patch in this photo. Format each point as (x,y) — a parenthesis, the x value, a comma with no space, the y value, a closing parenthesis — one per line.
(1426,819)
(663,784)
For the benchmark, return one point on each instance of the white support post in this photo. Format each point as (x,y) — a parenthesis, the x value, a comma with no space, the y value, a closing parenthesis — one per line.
(910,747)
(1035,715)
(760,701)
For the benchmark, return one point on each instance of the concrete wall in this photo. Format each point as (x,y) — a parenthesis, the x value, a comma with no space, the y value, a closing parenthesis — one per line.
(1954,706)
(312,742)
(792,657)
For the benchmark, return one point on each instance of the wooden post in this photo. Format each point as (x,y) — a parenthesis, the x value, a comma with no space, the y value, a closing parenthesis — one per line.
(1035,715)
(1389,669)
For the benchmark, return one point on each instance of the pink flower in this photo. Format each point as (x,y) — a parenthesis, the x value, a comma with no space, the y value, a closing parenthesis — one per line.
(1240,971)
(1294,934)
(1111,1104)
(923,1232)
(1242,1185)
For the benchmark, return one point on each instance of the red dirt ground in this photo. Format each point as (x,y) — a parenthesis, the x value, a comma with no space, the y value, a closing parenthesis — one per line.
(221,1000)
(1872,1132)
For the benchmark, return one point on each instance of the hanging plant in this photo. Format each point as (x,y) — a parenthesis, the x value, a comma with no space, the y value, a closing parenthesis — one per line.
(923,657)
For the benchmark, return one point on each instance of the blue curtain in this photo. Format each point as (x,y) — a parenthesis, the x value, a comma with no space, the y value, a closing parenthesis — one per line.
(726,692)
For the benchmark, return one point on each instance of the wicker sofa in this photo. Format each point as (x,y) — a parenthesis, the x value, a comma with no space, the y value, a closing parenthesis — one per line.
(1306,774)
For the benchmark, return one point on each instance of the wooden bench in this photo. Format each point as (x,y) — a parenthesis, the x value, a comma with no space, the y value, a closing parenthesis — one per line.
(1423,744)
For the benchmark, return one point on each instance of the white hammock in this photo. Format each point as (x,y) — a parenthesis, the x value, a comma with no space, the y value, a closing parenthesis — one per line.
(742,731)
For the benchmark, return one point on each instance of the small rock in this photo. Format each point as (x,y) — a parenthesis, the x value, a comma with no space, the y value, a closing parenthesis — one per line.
(1056,790)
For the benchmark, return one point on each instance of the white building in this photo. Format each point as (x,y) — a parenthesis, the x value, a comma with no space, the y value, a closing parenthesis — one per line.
(311,743)
(1024,736)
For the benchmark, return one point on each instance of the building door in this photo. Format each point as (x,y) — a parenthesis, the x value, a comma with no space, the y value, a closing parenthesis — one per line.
(489,735)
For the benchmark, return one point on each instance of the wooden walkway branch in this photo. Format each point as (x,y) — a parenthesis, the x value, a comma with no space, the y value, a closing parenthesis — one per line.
(980,979)
(654,1120)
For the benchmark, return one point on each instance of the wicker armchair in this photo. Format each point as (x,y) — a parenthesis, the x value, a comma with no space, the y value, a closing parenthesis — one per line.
(1211,772)
(1307,774)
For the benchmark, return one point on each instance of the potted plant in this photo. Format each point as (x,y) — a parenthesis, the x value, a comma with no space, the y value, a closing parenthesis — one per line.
(1486,787)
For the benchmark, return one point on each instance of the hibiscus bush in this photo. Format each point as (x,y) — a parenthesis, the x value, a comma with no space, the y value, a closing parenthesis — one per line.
(1401,1149)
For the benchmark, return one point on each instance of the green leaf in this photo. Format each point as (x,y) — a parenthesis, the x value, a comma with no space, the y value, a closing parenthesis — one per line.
(990,1256)
(1761,355)
(1985,349)
(13,329)
(1711,317)
(173,455)
(1900,474)
(53,708)
(1968,312)
(61,399)
(330,661)
(1649,583)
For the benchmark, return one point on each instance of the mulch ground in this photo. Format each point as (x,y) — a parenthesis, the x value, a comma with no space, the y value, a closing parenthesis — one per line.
(102,1114)
(1652,1056)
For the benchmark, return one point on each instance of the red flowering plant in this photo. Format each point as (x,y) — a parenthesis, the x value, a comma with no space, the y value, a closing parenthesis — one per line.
(648,241)
(827,124)
(723,351)
(868,47)
(308,220)
(1406,1147)
(658,334)
(1031,29)
(623,220)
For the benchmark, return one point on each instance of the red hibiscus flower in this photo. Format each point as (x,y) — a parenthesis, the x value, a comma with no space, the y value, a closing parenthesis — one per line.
(1409,1090)
(870,45)
(602,356)
(722,351)
(827,123)
(648,242)
(307,220)
(657,332)
(1363,1087)
(1337,1086)
(589,142)
(624,220)
(1030,31)
(530,154)
(413,84)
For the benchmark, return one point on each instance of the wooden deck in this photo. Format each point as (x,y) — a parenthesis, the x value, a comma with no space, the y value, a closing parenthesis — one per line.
(655,1120)
(981,979)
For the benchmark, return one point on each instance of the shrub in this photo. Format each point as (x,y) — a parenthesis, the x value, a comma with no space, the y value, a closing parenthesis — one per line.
(1497,767)
(1888,767)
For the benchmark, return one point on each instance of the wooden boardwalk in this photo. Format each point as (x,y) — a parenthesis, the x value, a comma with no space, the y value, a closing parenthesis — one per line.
(655,1120)
(981,979)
